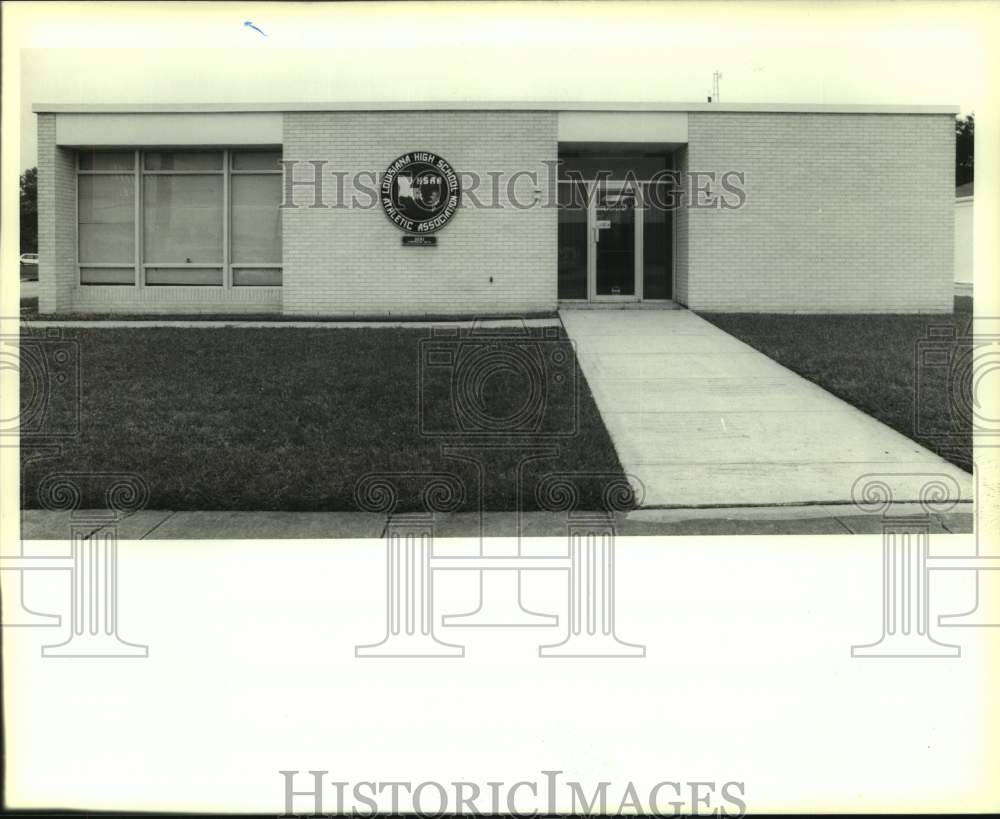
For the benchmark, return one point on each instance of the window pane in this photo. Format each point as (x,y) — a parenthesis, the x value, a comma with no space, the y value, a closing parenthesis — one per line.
(585,165)
(107,218)
(107,160)
(257,276)
(256,219)
(183,218)
(107,275)
(572,275)
(195,276)
(183,160)
(657,253)
(256,160)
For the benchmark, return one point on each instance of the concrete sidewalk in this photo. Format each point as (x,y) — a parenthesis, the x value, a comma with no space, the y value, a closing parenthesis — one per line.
(701,419)
(792,520)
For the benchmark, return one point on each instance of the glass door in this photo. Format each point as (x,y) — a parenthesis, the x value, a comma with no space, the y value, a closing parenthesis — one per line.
(615,246)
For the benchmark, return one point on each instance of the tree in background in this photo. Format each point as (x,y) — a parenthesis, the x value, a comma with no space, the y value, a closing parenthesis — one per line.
(964,148)
(29,211)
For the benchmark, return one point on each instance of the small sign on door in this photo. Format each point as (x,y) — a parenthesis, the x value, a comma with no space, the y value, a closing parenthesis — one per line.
(603,224)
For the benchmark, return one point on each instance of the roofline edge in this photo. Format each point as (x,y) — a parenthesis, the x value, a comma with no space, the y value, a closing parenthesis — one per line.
(468,105)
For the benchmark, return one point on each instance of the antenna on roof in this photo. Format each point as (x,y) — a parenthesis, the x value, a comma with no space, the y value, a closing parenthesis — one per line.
(716,76)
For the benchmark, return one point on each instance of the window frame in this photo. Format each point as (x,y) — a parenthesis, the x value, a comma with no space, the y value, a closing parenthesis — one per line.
(139,172)
(136,229)
(230,172)
(224,264)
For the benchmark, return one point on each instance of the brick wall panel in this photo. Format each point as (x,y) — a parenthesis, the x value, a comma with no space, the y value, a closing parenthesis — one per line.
(351,260)
(844,213)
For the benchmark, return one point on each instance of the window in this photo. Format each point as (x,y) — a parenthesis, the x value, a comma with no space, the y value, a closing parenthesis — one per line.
(193,276)
(255,192)
(657,241)
(206,218)
(180,161)
(572,241)
(259,276)
(183,198)
(257,161)
(106,217)
(182,219)
(107,275)
(107,161)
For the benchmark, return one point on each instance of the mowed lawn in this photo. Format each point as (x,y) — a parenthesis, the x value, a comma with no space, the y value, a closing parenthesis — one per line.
(871,361)
(292,418)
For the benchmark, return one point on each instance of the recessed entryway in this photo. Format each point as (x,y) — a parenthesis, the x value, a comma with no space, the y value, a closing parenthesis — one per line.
(615,225)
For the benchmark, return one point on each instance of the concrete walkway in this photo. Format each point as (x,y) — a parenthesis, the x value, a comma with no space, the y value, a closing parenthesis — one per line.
(702,419)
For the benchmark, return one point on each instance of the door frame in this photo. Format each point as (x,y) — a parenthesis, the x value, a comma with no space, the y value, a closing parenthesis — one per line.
(638,218)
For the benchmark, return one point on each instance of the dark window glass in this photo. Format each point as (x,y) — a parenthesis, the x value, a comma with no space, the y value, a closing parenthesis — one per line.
(610,166)
(191,276)
(657,247)
(257,277)
(106,218)
(184,161)
(256,160)
(572,281)
(256,219)
(107,160)
(107,275)
(183,219)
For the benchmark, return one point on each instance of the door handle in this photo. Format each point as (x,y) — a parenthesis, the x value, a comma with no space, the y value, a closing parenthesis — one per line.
(597,235)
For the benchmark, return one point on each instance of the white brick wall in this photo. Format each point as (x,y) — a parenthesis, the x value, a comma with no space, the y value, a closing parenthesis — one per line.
(844,213)
(56,220)
(350,261)
(176,300)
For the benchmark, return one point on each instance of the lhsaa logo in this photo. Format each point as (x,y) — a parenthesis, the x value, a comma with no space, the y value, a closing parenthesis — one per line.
(420,192)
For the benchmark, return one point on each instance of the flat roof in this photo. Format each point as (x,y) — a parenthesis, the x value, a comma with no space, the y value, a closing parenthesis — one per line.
(486,105)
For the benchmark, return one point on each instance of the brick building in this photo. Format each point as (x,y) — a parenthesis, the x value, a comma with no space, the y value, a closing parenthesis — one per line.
(237,208)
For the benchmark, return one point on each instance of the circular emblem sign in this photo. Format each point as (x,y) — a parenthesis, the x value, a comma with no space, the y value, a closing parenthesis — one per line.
(420,192)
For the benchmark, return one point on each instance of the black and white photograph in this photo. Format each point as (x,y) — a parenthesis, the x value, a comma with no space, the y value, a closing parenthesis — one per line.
(456,408)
